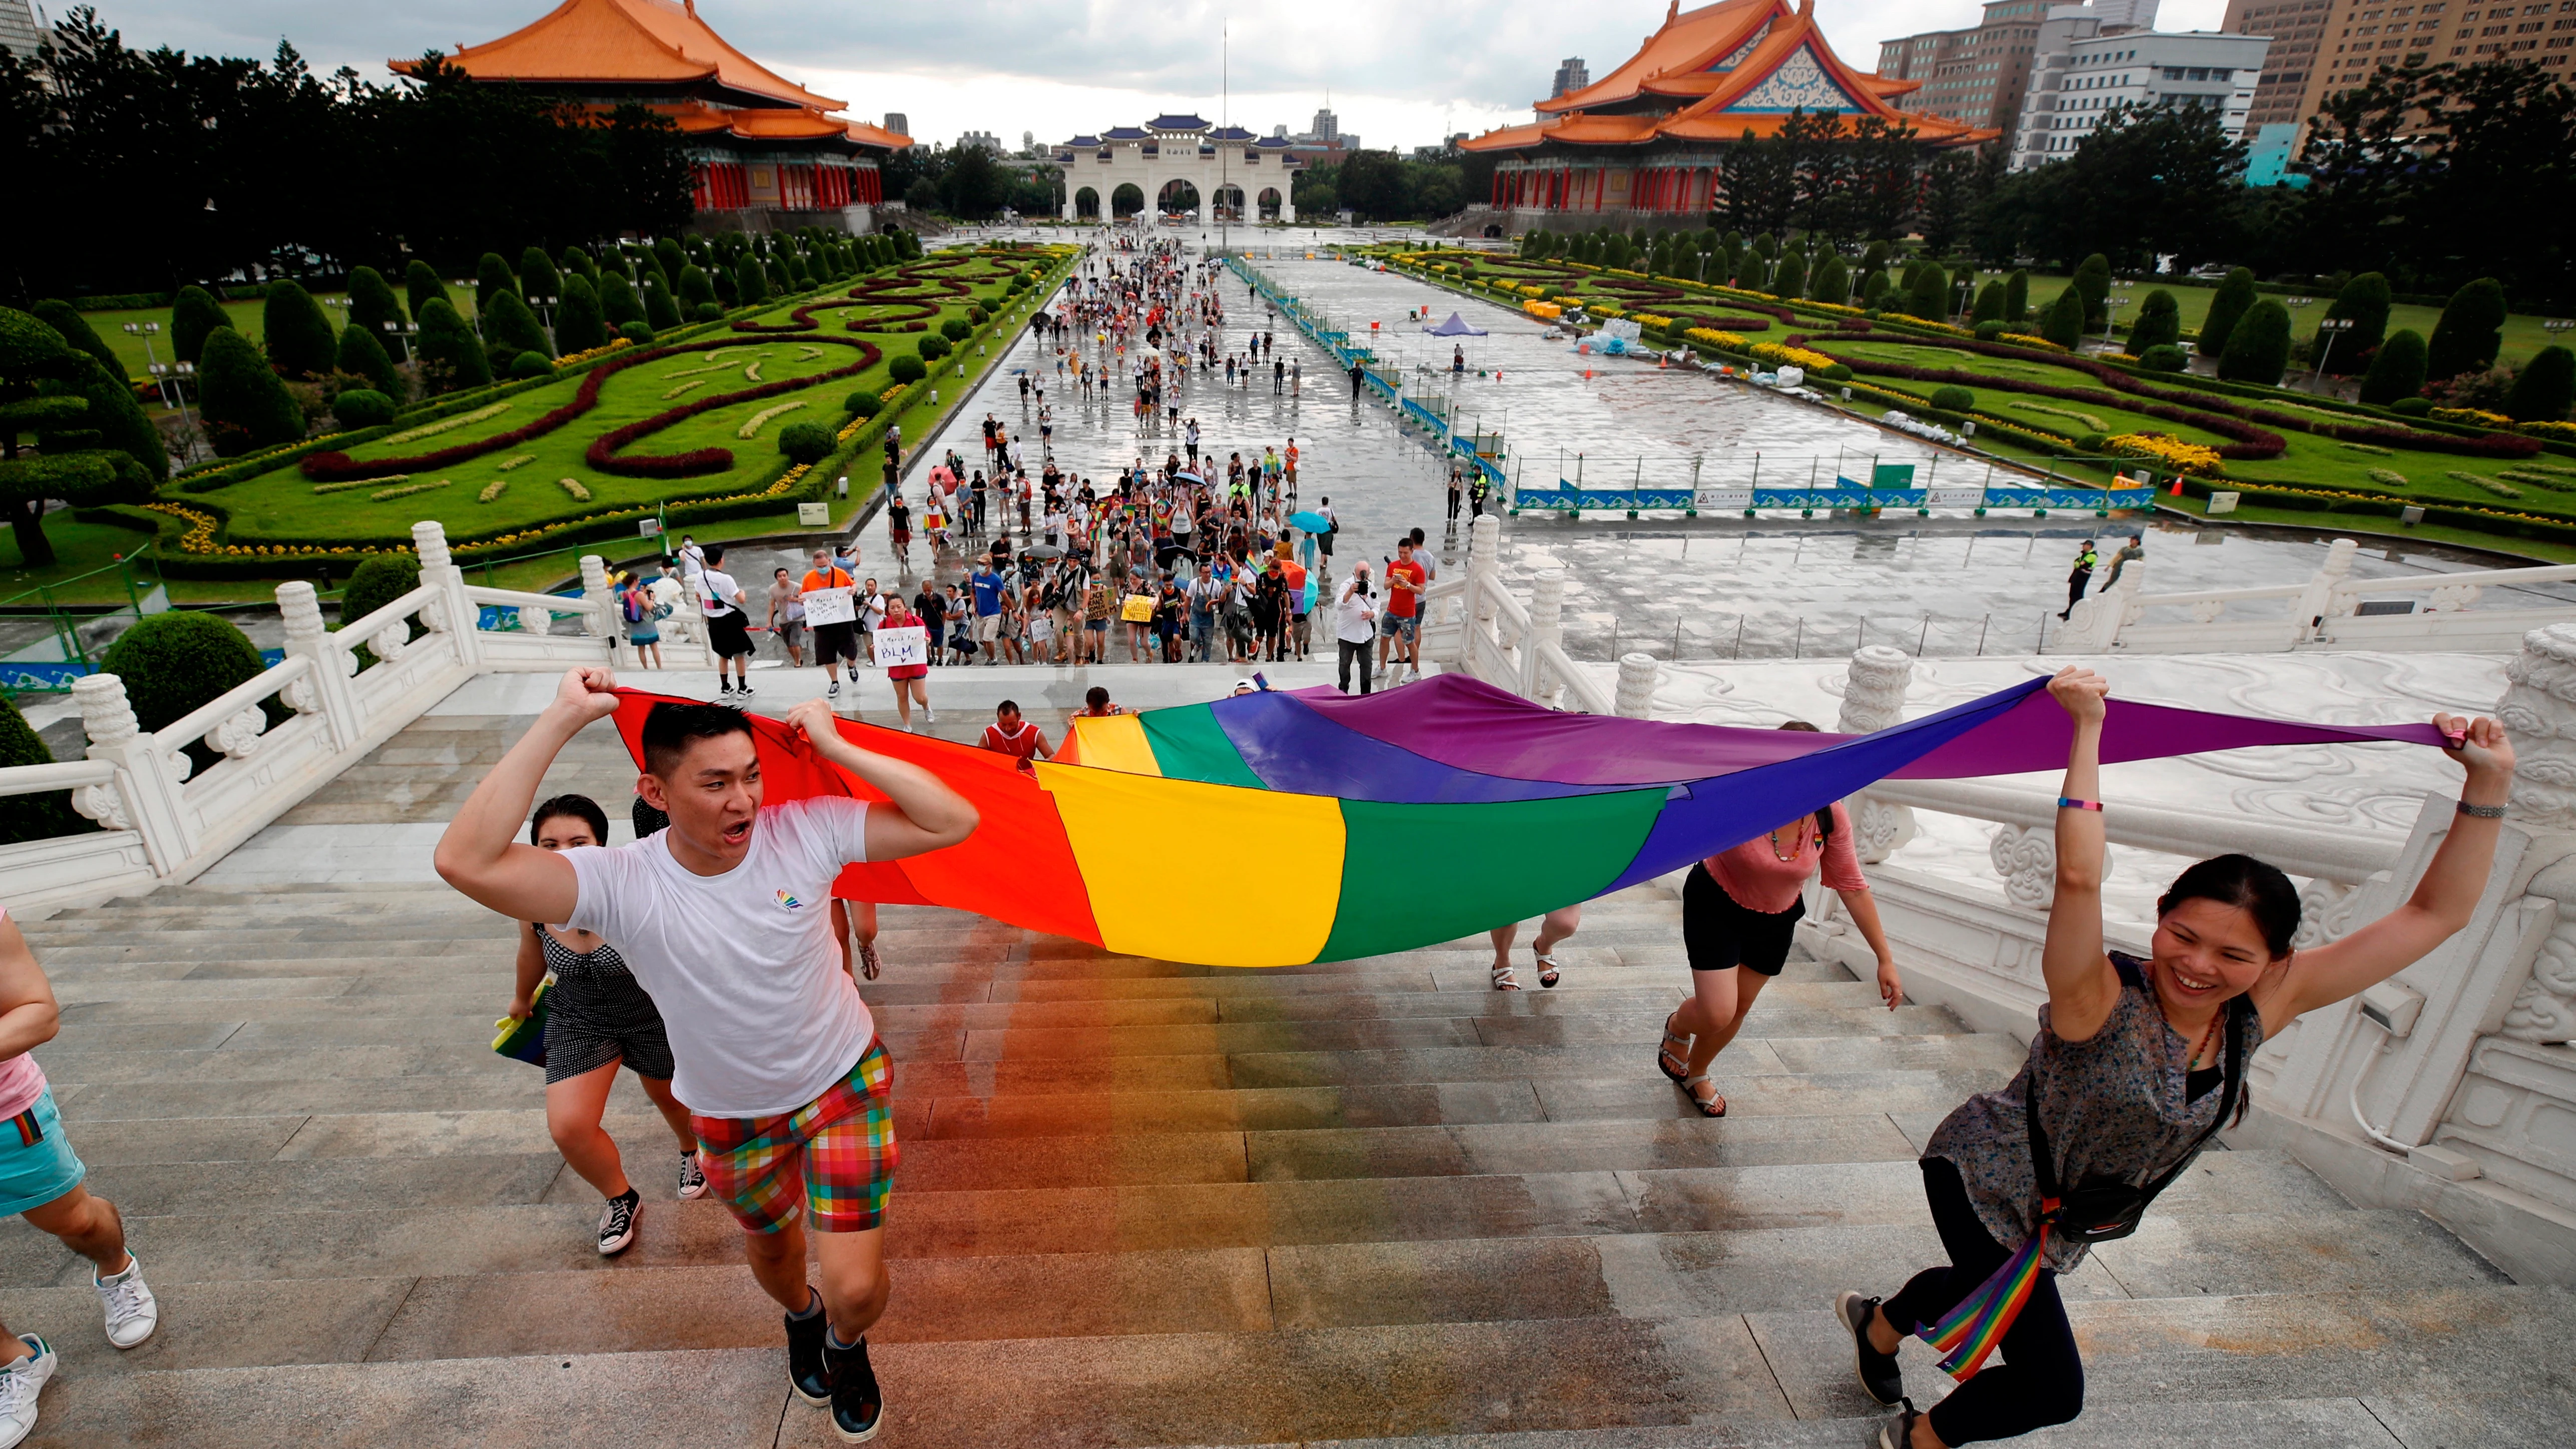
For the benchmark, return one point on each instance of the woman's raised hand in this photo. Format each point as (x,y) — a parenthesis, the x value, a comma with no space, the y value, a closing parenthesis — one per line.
(2084,694)
(2478,744)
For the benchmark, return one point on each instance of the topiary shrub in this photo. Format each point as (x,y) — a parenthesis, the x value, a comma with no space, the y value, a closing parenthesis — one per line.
(2364,302)
(537,275)
(2064,324)
(2092,442)
(63,318)
(193,314)
(618,303)
(932,348)
(750,281)
(361,407)
(2469,332)
(1989,307)
(2545,389)
(639,333)
(2396,370)
(32,817)
(2411,407)
(2159,324)
(421,286)
(579,326)
(362,355)
(300,340)
(451,357)
(2164,357)
(378,582)
(372,304)
(492,277)
(530,364)
(236,387)
(1990,330)
(660,310)
(906,368)
(956,329)
(806,442)
(2258,348)
(511,328)
(709,312)
(1954,399)
(863,404)
(174,662)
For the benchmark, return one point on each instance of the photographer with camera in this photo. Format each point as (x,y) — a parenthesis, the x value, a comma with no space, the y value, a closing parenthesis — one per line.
(1355,614)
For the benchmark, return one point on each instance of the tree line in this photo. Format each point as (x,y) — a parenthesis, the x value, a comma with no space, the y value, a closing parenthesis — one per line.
(147,170)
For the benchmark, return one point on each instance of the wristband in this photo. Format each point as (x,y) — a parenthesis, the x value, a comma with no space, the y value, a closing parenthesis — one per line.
(2482,812)
(2069,802)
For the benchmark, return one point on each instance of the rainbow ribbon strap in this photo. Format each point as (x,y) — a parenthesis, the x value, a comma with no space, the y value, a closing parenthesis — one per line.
(1970,1331)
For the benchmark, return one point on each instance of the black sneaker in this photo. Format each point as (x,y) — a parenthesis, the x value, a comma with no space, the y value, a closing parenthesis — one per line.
(1898,1433)
(807,1374)
(858,1410)
(1878,1371)
(617,1223)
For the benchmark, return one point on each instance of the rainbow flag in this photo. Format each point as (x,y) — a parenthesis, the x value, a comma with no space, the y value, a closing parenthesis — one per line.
(1409,817)
(1970,1331)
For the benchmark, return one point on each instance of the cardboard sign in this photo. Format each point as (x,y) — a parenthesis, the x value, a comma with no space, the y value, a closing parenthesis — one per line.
(1041,628)
(894,647)
(1139,609)
(832,606)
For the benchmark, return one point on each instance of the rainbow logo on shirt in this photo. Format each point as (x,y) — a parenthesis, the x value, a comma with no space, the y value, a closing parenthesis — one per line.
(790,902)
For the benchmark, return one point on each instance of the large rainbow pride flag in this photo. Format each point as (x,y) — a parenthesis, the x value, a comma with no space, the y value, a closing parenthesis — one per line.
(1284,827)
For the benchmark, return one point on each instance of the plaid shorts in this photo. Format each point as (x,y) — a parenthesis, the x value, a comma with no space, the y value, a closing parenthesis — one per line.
(839,1149)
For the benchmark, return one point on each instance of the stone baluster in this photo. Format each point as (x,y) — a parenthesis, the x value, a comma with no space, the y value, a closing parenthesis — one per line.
(603,620)
(324,689)
(451,614)
(1636,696)
(145,796)
(1484,576)
(2318,599)
(1873,700)
(1547,626)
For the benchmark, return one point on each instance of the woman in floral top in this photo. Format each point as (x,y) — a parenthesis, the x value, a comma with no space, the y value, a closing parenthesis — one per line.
(2133,1066)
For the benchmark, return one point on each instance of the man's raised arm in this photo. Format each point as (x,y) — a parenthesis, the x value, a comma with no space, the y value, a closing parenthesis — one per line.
(481,853)
(926,814)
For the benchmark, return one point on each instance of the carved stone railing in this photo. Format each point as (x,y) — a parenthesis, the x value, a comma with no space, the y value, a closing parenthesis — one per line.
(1474,624)
(279,736)
(2322,613)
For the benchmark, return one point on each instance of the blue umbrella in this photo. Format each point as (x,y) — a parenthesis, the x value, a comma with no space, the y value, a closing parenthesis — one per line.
(1311,522)
(1186,476)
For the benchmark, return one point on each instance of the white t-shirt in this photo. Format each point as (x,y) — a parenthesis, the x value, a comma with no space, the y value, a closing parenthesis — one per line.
(718,589)
(761,1016)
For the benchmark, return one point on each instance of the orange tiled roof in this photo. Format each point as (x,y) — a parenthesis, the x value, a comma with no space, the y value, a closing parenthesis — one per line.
(1774,60)
(627,41)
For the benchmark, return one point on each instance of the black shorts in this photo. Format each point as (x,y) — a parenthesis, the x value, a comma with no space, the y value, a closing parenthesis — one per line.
(727,635)
(1718,932)
(836,641)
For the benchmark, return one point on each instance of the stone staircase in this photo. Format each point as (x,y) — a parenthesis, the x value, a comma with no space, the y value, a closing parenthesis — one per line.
(1141,1204)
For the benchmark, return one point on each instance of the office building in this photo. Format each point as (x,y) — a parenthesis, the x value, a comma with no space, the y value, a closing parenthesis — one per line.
(1571,75)
(2110,69)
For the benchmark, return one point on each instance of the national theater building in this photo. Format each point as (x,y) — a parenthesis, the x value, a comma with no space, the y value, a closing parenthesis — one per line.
(1641,146)
(768,153)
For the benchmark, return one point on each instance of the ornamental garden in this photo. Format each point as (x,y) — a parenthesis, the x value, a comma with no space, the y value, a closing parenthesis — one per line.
(2204,408)
(713,387)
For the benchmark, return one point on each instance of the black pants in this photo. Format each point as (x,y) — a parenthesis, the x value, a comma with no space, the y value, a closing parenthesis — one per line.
(1453,502)
(1359,651)
(2040,1378)
(2075,592)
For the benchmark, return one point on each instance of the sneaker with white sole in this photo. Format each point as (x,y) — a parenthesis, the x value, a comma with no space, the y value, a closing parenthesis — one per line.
(743,689)
(617,1222)
(693,1179)
(20,1382)
(132,1312)
(833,689)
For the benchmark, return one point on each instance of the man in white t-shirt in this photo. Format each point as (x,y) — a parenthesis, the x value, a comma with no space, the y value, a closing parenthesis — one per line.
(725,919)
(720,603)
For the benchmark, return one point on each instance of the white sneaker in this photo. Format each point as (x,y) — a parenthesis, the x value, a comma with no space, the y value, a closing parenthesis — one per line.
(929,715)
(132,1312)
(20,1382)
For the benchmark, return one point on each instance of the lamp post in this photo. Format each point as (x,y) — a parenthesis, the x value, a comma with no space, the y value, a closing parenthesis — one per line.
(400,332)
(2110,310)
(147,331)
(2332,328)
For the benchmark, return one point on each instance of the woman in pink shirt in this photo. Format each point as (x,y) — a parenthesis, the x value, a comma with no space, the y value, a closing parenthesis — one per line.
(1740,911)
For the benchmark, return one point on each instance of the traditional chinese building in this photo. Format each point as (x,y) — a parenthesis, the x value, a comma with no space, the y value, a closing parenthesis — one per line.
(1641,146)
(1178,164)
(768,153)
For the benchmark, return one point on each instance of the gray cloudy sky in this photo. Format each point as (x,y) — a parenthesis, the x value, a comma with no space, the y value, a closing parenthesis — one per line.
(1399,74)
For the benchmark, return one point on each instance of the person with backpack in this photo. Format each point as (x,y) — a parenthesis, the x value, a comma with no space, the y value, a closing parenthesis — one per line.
(2135,1065)
(1740,911)
(643,615)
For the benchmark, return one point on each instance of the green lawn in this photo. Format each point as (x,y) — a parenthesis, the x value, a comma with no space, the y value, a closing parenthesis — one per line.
(282,506)
(2523,334)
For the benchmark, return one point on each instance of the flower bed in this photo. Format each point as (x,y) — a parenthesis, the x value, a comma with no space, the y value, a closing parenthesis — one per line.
(2172,452)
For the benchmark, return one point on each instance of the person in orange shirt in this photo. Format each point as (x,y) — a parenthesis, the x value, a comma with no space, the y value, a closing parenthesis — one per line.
(833,642)
(1299,629)
(1292,467)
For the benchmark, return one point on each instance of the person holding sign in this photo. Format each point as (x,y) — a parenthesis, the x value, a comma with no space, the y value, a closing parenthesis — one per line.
(903,652)
(831,610)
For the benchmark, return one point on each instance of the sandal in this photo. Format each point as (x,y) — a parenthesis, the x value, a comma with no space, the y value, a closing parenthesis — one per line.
(1547,967)
(1712,1105)
(1673,1064)
(1504,980)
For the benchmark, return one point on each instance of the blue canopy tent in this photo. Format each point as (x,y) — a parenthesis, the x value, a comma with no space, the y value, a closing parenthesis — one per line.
(1456,326)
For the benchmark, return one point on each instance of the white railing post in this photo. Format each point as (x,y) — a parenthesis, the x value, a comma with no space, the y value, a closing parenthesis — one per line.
(603,619)
(1636,697)
(145,797)
(453,615)
(1546,632)
(1873,699)
(2317,600)
(2093,626)
(325,690)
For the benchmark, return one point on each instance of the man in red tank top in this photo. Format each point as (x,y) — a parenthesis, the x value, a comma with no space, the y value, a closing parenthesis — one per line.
(1009,734)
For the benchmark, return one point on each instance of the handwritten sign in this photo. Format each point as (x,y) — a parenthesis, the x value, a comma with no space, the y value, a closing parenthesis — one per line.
(831,606)
(896,647)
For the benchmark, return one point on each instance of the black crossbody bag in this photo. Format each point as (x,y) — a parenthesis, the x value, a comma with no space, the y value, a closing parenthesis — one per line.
(2103,1208)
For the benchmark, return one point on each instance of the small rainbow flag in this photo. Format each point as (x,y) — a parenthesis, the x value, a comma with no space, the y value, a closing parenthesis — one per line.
(1971,1330)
